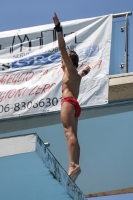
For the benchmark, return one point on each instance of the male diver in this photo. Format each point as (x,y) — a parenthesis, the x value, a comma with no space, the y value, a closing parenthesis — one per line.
(70,108)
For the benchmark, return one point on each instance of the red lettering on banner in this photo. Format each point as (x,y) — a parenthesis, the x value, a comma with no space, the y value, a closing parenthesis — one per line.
(16,77)
(10,78)
(41,89)
(24,91)
(52,85)
(94,64)
(1,97)
(14,80)
(32,91)
(37,91)
(3,80)
(42,74)
(29,75)
(98,64)
(20,92)
(7,93)
(12,93)
(21,80)
(57,71)
(45,88)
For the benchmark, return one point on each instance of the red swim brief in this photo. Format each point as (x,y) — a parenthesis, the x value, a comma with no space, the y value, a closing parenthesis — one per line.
(75,103)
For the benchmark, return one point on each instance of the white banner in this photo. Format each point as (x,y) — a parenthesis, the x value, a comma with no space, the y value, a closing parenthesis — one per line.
(30,80)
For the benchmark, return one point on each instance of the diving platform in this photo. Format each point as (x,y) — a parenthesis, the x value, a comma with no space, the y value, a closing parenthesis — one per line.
(30,171)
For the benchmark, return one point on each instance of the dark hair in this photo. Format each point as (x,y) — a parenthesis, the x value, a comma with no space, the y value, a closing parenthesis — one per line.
(74,58)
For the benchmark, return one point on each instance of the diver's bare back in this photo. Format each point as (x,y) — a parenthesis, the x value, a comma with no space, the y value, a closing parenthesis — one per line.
(70,84)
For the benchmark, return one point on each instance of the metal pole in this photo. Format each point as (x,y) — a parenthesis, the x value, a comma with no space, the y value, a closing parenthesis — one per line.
(126,37)
(126,45)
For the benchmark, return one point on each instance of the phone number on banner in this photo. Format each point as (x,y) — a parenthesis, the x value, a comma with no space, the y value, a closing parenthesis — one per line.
(29,105)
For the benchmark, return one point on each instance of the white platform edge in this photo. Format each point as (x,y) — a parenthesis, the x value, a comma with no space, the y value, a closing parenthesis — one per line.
(17,145)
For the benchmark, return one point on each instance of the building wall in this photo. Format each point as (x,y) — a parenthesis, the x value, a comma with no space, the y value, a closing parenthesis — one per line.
(105,136)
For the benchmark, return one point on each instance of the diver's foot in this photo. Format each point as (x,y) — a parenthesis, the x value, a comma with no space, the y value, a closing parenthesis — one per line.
(74,172)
